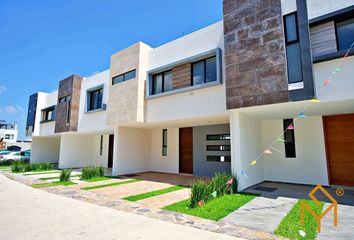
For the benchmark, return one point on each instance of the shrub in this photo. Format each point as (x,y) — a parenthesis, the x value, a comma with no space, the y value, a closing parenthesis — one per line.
(92,172)
(21,166)
(18,166)
(65,175)
(203,190)
(6,163)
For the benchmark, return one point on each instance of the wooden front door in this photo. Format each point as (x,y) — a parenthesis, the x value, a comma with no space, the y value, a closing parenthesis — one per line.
(186,150)
(110,151)
(339,137)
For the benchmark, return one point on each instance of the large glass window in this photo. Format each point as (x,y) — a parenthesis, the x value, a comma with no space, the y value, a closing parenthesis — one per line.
(204,71)
(345,34)
(95,99)
(124,77)
(293,53)
(162,82)
(48,114)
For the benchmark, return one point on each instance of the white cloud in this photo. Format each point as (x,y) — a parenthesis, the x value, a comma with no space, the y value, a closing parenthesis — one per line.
(13,109)
(2,89)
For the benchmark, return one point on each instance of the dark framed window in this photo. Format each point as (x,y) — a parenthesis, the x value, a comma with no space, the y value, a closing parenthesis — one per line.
(204,71)
(164,142)
(9,136)
(162,82)
(217,137)
(218,148)
(289,137)
(345,33)
(68,117)
(101,145)
(48,114)
(293,53)
(65,99)
(124,77)
(94,99)
(213,158)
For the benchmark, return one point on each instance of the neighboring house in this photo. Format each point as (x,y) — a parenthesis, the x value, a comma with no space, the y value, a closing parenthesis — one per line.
(8,132)
(215,100)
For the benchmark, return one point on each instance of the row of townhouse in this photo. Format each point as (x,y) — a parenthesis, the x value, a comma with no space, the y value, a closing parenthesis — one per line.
(217,100)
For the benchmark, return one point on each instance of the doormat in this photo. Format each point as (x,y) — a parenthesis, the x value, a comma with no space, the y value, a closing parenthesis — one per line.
(265,189)
(131,175)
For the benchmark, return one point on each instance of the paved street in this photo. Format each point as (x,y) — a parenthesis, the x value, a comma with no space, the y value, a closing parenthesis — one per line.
(28,213)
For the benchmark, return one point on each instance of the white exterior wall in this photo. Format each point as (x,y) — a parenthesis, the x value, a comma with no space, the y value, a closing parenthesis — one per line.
(195,103)
(45,149)
(45,100)
(14,132)
(309,166)
(245,147)
(342,85)
(81,150)
(96,120)
(131,150)
(169,163)
(318,8)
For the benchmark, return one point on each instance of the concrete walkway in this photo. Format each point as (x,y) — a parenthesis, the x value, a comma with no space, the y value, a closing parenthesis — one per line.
(345,227)
(28,213)
(261,213)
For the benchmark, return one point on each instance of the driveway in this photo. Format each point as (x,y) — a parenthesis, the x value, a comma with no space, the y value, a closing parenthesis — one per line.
(28,213)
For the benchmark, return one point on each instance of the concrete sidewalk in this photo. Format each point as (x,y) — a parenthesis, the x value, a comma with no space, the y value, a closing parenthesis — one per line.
(28,213)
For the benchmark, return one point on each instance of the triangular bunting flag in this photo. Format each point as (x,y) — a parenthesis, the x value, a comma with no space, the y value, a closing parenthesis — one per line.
(291,127)
(243,173)
(338,69)
(230,182)
(253,162)
(267,151)
(214,194)
(327,82)
(279,139)
(301,115)
(273,148)
(315,100)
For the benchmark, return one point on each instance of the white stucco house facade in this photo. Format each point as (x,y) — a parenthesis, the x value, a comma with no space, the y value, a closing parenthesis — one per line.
(220,99)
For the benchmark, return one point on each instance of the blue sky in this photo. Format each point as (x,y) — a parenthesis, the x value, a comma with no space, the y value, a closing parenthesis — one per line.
(42,42)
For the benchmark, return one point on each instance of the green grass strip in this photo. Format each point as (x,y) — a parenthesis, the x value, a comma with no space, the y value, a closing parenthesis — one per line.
(5,167)
(97,179)
(52,184)
(111,184)
(216,208)
(51,178)
(40,172)
(138,197)
(290,225)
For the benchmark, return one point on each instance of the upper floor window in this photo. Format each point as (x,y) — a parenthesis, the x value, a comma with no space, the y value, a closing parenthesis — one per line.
(204,71)
(94,99)
(162,82)
(293,55)
(345,34)
(124,77)
(9,136)
(65,99)
(48,114)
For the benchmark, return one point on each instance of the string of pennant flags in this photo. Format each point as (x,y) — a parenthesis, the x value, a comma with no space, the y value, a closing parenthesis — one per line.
(301,115)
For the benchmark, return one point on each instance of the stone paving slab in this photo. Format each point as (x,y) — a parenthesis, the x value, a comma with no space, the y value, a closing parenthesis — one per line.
(130,189)
(131,207)
(82,184)
(261,213)
(166,199)
(345,226)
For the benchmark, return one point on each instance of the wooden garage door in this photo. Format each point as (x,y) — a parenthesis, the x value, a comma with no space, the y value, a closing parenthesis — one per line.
(186,150)
(339,133)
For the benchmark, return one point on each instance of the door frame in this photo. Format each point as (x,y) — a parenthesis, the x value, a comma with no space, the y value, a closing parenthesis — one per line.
(179,151)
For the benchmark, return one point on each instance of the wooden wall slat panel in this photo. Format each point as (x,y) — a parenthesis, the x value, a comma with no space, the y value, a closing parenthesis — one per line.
(181,76)
(323,39)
